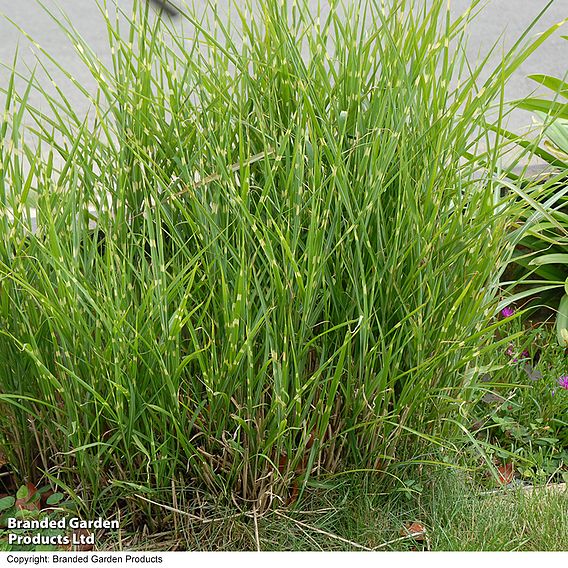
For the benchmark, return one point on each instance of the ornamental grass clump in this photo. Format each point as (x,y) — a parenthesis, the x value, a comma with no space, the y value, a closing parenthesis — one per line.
(265,255)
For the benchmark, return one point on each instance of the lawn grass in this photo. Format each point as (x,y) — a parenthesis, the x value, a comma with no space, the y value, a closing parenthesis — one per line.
(361,513)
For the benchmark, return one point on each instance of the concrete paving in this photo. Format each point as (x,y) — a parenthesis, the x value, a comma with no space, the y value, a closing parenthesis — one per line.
(501,21)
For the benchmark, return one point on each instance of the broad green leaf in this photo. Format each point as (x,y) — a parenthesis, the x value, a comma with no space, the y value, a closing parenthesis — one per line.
(6,503)
(55,499)
(551,108)
(559,258)
(558,133)
(22,493)
(556,85)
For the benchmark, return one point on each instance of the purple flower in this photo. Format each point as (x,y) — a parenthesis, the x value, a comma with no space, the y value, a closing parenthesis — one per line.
(563,382)
(525,354)
(510,351)
(507,312)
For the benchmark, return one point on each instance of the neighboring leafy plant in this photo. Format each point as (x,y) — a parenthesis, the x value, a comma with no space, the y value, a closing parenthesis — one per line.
(554,114)
(30,503)
(543,250)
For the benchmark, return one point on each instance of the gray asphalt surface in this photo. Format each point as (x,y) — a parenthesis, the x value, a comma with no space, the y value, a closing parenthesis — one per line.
(501,20)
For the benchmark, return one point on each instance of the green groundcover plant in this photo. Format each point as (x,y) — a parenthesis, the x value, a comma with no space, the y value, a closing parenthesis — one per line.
(519,415)
(260,258)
